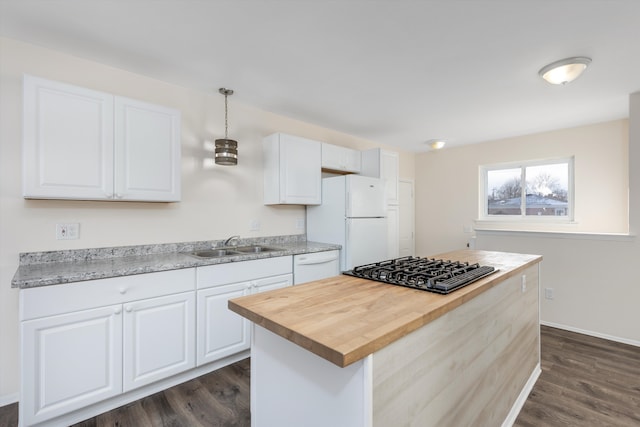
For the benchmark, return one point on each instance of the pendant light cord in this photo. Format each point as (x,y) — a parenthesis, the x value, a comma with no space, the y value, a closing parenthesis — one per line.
(226,122)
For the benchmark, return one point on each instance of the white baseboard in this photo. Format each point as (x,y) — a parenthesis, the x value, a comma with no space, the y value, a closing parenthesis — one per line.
(8,399)
(522,397)
(591,333)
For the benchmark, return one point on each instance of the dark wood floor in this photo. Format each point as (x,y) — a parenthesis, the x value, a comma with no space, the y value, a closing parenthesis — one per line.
(585,382)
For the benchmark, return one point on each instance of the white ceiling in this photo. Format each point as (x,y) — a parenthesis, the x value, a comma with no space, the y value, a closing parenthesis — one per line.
(396,72)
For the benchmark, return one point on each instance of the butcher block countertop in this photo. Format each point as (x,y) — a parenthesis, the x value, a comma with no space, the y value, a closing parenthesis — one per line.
(344,319)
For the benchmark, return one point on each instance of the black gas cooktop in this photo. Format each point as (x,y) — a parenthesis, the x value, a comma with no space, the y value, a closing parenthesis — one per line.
(433,275)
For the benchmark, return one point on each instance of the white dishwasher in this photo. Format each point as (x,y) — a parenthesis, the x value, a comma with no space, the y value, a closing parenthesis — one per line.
(315,266)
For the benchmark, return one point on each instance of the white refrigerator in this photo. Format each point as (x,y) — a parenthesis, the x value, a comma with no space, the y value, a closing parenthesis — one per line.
(352,214)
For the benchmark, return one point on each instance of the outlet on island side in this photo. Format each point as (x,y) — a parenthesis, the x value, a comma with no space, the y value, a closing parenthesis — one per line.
(548,293)
(69,231)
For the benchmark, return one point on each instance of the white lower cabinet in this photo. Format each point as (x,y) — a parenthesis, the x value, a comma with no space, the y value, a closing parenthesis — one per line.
(222,332)
(159,338)
(85,342)
(112,340)
(70,361)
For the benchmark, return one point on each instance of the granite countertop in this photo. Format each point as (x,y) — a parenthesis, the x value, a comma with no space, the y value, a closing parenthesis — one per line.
(57,267)
(344,319)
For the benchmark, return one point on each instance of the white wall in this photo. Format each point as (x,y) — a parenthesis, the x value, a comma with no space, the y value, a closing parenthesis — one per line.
(217,201)
(592,272)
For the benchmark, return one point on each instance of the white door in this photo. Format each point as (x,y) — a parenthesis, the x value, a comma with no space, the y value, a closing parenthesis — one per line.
(71,361)
(366,241)
(159,338)
(67,141)
(407,219)
(365,197)
(221,332)
(271,283)
(147,151)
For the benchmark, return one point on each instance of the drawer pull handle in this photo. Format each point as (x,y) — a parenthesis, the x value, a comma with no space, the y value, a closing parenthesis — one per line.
(122,291)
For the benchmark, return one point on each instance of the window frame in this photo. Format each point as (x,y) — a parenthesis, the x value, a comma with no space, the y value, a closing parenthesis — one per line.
(483,205)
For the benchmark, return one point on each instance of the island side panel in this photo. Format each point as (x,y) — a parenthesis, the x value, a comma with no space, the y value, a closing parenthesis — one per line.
(465,368)
(291,386)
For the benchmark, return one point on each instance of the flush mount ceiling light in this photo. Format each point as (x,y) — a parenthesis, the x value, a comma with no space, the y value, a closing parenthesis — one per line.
(436,144)
(564,71)
(226,149)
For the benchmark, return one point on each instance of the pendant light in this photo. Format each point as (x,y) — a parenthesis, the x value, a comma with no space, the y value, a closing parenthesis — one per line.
(226,149)
(564,71)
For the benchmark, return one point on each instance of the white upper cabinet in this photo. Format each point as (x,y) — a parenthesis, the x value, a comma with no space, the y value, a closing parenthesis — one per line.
(67,141)
(147,151)
(386,165)
(292,170)
(341,159)
(88,145)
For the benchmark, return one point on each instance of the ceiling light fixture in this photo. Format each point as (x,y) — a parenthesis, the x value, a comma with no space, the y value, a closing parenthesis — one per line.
(436,144)
(226,149)
(564,71)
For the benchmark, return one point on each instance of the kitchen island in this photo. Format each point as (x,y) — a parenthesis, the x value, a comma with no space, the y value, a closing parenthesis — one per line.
(351,352)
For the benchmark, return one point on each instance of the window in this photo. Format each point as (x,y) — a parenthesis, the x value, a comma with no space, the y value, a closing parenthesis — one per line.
(527,190)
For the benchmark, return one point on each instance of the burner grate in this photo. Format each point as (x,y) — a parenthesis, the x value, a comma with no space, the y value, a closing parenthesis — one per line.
(433,275)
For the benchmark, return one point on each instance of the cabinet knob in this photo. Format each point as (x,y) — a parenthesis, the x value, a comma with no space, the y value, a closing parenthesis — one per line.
(118,196)
(128,309)
(122,291)
(117,310)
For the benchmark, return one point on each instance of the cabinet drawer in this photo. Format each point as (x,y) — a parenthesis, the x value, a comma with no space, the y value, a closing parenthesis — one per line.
(222,274)
(58,299)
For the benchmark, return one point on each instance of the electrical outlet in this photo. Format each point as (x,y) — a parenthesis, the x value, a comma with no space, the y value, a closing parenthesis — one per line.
(524,283)
(68,231)
(548,293)
(254,225)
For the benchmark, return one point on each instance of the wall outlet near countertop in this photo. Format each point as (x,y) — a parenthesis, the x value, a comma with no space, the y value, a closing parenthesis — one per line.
(254,225)
(69,231)
(300,223)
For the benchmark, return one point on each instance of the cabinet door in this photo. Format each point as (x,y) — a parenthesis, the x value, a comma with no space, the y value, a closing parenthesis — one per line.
(70,361)
(147,151)
(67,141)
(221,332)
(292,170)
(389,171)
(271,283)
(159,336)
(339,158)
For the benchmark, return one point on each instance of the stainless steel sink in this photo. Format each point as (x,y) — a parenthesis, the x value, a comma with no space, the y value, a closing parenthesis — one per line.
(232,250)
(255,249)
(214,253)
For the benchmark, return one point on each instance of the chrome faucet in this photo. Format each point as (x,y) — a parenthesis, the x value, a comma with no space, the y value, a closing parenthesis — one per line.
(236,237)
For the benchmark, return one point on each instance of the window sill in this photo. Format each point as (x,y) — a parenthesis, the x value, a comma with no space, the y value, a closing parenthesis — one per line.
(576,235)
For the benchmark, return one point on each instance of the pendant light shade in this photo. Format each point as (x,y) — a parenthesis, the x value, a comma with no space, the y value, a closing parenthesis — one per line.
(226,149)
(564,71)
